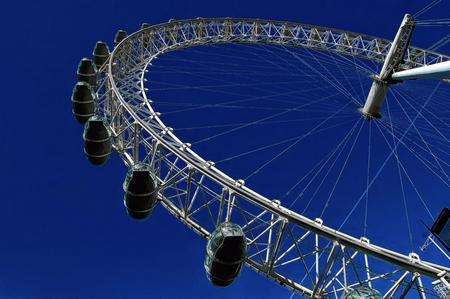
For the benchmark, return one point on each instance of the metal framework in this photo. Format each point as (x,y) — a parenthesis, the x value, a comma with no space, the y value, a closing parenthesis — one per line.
(380,84)
(301,254)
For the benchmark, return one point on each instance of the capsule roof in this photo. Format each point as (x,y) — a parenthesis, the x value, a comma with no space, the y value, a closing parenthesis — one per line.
(96,128)
(229,229)
(140,169)
(120,36)
(101,49)
(86,67)
(82,92)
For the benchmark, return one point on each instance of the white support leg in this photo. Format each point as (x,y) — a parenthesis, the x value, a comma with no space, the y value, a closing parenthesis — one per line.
(380,84)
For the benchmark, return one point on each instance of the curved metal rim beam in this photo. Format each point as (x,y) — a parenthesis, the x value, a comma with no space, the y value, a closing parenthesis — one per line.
(318,38)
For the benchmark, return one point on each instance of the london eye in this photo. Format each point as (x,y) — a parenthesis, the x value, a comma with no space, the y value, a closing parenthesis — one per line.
(371,112)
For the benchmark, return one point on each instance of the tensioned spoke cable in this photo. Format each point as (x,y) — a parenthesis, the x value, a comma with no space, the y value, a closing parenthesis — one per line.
(207,63)
(324,160)
(222,103)
(325,176)
(314,169)
(426,8)
(361,66)
(327,203)
(297,55)
(323,105)
(411,138)
(276,143)
(252,78)
(388,158)
(239,84)
(267,60)
(248,71)
(324,57)
(271,97)
(260,66)
(360,80)
(369,149)
(405,206)
(261,123)
(342,143)
(253,75)
(431,125)
(324,77)
(335,62)
(246,59)
(436,159)
(290,63)
(182,86)
(347,77)
(322,108)
(345,61)
(334,59)
(401,123)
(333,77)
(293,144)
(434,24)
(315,57)
(440,43)
(260,120)
(162,69)
(408,177)
(247,99)
(406,95)
(421,138)
(424,161)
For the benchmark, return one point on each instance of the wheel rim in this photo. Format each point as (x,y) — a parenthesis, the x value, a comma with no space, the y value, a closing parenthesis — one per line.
(123,93)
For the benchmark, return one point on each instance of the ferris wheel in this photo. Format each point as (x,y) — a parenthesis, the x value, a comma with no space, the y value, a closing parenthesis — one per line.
(302,249)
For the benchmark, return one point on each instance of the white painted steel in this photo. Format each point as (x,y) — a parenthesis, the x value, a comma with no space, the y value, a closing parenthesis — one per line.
(435,71)
(393,59)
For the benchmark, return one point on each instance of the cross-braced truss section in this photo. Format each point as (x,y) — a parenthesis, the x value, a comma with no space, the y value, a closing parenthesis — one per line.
(299,253)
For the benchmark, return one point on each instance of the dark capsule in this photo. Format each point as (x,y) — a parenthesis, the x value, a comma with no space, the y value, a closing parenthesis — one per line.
(120,36)
(140,191)
(87,72)
(225,254)
(97,140)
(83,102)
(100,54)
(145,25)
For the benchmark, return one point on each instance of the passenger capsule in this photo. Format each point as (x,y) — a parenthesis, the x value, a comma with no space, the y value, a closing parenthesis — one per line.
(83,102)
(87,72)
(100,54)
(120,36)
(97,140)
(363,292)
(140,191)
(225,254)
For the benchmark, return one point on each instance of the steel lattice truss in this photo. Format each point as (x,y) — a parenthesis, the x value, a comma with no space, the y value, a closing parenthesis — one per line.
(299,253)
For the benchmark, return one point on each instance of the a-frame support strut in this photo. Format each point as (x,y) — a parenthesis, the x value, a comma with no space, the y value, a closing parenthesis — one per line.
(380,84)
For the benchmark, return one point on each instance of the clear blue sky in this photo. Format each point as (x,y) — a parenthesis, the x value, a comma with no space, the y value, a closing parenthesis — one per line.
(63,229)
